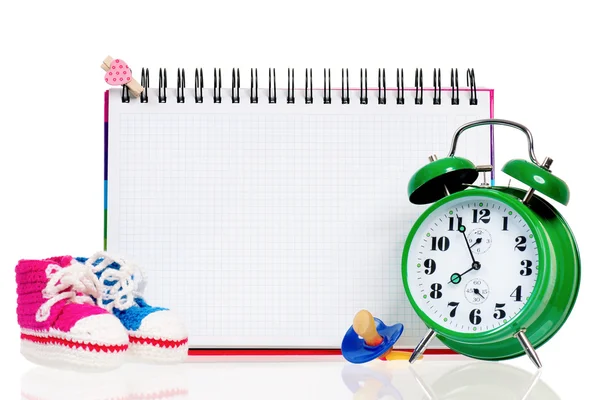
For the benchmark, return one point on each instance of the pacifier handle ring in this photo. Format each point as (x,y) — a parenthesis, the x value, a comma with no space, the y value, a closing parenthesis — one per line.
(494,121)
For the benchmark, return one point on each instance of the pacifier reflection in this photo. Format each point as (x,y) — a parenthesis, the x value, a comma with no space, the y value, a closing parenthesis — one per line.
(446,380)
(129,382)
(372,382)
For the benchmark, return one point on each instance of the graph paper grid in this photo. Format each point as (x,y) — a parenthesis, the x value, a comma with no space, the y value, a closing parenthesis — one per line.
(271,225)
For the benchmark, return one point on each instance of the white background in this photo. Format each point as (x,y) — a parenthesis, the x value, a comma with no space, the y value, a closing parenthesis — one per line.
(540,57)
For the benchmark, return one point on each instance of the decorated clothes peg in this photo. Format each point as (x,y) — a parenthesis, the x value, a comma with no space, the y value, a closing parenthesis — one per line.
(118,73)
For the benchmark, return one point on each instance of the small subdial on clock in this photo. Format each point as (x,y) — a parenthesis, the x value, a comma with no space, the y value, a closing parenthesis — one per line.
(477,291)
(479,240)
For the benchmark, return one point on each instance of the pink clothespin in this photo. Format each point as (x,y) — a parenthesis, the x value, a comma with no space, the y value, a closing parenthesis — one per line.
(118,73)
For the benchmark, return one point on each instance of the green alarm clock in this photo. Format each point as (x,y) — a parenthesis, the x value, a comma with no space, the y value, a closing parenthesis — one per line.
(492,271)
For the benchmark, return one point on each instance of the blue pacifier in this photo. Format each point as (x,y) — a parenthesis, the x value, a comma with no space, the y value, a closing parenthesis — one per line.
(369,338)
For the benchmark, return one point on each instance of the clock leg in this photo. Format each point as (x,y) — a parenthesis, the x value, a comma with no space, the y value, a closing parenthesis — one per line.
(422,346)
(528,348)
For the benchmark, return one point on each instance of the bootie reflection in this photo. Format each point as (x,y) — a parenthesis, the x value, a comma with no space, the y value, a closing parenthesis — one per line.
(43,383)
(130,382)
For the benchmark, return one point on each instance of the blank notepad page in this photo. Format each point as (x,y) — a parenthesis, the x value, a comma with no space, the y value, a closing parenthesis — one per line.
(270,225)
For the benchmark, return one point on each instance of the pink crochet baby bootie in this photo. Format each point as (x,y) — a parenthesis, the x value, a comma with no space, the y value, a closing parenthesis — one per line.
(61,325)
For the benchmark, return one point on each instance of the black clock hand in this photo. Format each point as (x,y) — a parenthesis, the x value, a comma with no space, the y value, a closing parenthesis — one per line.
(476,291)
(456,277)
(462,230)
(476,242)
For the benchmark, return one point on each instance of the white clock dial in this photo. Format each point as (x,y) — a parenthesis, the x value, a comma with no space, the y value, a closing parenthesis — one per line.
(472,264)
(480,240)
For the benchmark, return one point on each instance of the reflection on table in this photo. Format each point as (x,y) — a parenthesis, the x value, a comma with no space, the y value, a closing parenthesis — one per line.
(446,380)
(291,378)
(130,382)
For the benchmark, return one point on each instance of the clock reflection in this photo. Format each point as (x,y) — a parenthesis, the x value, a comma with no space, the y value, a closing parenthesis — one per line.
(447,380)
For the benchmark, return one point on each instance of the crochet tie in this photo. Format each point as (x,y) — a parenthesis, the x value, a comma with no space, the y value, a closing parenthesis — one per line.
(75,282)
(126,282)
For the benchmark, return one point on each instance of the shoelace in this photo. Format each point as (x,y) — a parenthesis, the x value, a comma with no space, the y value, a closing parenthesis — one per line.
(75,282)
(128,281)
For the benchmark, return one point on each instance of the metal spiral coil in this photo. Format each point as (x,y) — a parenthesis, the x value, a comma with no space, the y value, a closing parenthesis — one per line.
(273,90)
(437,87)
(253,86)
(217,86)
(181,85)
(236,97)
(199,86)
(235,85)
(326,86)
(145,82)
(472,86)
(345,87)
(162,85)
(381,87)
(308,99)
(419,86)
(364,98)
(454,85)
(400,86)
(291,97)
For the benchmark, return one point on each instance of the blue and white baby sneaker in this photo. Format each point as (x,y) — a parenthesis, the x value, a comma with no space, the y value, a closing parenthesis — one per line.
(155,334)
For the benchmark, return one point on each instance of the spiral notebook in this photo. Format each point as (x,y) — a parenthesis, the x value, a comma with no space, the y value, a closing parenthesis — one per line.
(267,216)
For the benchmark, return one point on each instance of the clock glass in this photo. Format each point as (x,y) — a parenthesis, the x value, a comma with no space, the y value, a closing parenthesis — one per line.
(472,264)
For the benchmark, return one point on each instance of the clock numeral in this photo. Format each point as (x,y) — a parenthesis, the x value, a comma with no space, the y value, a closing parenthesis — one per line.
(499,312)
(441,243)
(452,226)
(436,291)
(482,215)
(474,316)
(454,306)
(429,266)
(516,294)
(521,243)
(504,223)
(527,270)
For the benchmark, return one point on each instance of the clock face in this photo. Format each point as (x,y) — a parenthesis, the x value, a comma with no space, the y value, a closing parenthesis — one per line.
(472,264)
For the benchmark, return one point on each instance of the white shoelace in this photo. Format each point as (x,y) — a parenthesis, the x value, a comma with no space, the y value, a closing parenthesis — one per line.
(75,282)
(128,281)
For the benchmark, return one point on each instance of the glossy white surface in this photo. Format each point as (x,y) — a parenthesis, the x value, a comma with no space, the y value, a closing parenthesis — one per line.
(434,379)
